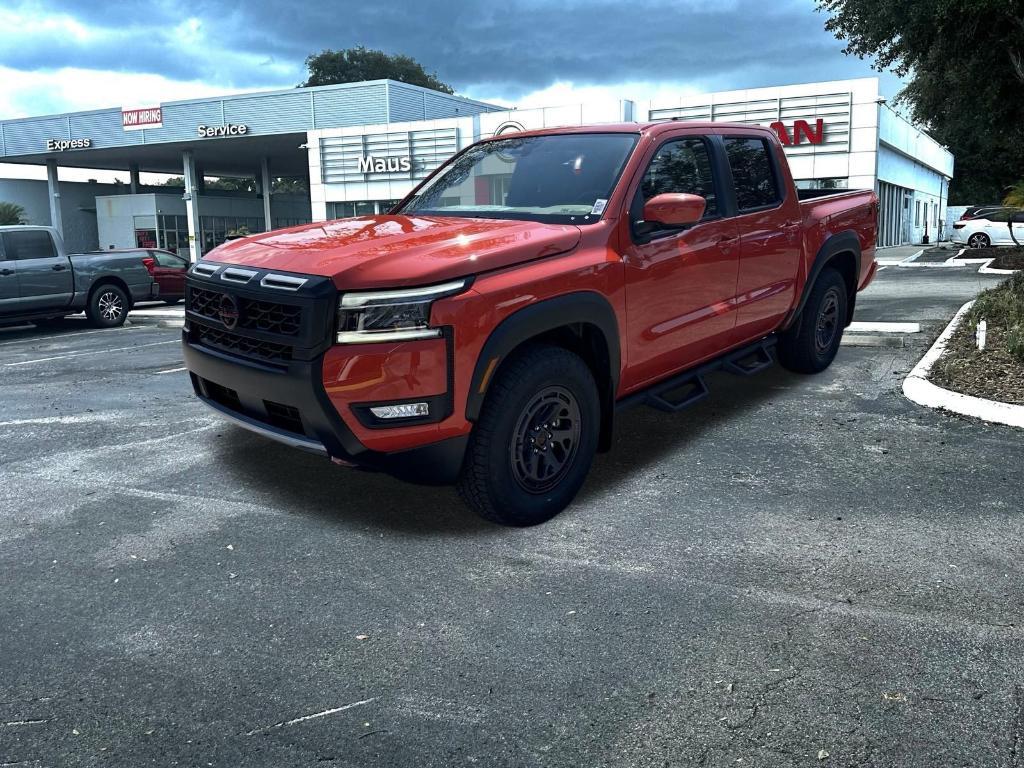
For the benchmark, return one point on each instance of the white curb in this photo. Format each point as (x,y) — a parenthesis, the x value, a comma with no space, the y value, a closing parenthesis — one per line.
(987,270)
(917,388)
(879,257)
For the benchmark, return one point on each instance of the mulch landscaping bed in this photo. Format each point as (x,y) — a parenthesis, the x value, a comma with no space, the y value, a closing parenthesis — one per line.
(993,374)
(1005,258)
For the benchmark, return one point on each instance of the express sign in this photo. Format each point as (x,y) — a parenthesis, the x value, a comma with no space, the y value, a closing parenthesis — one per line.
(801,129)
(63,145)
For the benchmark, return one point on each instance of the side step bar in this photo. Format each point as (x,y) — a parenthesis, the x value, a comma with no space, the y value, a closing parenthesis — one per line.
(686,388)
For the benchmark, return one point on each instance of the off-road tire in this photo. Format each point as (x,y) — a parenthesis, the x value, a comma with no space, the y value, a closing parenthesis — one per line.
(811,344)
(553,387)
(108,306)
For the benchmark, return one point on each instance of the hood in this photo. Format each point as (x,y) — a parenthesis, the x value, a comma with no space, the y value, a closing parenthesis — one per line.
(395,251)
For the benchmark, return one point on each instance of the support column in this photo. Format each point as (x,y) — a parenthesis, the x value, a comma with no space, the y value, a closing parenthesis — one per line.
(53,190)
(192,206)
(265,186)
(133,177)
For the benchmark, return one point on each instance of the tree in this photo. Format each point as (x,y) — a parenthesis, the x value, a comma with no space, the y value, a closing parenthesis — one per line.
(352,65)
(965,64)
(287,185)
(232,184)
(1015,195)
(12,213)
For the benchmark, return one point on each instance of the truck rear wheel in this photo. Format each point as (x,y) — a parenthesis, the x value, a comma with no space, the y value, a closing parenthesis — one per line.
(813,341)
(107,307)
(535,439)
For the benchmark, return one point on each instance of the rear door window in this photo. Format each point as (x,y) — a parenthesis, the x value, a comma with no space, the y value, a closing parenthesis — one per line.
(753,173)
(165,259)
(29,244)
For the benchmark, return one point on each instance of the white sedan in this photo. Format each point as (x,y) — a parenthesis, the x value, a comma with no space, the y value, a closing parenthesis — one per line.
(989,230)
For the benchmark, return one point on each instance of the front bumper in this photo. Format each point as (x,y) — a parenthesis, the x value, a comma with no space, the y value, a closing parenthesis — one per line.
(290,405)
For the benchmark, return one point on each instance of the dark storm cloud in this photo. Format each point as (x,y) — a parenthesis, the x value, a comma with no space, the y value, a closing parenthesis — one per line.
(505,48)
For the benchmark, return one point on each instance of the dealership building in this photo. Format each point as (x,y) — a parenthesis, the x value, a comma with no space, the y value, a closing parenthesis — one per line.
(360,147)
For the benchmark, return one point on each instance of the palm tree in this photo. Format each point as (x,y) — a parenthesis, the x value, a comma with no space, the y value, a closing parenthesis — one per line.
(1015,195)
(11,213)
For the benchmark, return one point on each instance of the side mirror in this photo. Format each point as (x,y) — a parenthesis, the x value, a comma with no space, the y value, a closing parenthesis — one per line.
(674,209)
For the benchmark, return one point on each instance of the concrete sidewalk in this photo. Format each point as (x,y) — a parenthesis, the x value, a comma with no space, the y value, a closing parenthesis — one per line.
(164,317)
(888,257)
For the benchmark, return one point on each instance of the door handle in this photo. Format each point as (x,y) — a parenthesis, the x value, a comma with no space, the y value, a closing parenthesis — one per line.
(6,272)
(59,267)
(728,244)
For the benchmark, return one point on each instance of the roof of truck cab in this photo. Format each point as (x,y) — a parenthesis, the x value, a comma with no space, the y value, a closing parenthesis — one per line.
(651,129)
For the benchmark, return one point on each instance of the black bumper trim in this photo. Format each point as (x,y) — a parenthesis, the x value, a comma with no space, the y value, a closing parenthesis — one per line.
(266,430)
(300,385)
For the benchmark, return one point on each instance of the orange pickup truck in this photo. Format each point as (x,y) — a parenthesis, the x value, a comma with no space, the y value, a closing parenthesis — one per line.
(486,330)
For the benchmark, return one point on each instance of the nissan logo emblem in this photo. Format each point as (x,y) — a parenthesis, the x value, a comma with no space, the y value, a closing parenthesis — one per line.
(228,311)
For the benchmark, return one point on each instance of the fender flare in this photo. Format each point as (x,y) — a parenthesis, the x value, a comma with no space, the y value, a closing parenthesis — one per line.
(529,322)
(841,242)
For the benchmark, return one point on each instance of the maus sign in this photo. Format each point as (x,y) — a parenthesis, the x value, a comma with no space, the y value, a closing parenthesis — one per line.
(370,164)
(801,130)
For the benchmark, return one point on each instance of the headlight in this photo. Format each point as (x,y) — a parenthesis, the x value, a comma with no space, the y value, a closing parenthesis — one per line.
(369,316)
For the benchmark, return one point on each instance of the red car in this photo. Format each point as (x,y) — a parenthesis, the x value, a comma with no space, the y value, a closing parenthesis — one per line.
(168,271)
(488,330)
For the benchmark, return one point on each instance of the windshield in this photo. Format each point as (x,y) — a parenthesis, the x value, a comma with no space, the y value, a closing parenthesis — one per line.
(559,178)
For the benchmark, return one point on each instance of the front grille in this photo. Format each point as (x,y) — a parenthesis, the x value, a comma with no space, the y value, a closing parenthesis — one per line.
(271,317)
(203,302)
(268,316)
(242,345)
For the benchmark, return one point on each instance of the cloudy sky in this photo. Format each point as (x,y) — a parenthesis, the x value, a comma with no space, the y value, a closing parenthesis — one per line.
(65,55)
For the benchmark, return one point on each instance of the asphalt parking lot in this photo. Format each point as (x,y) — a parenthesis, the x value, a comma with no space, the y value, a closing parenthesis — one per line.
(798,571)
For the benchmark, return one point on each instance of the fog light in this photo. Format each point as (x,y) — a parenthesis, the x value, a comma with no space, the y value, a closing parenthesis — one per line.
(403,411)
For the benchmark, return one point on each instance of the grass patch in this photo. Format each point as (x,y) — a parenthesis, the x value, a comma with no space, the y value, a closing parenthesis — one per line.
(998,372)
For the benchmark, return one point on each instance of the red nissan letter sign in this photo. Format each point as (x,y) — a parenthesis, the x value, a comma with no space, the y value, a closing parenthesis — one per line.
(800,129)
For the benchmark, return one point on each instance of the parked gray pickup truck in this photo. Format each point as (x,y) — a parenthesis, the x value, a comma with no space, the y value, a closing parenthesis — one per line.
(40,282)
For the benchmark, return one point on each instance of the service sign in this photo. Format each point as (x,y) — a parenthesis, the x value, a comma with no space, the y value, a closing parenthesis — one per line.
(215,131)
(143,117)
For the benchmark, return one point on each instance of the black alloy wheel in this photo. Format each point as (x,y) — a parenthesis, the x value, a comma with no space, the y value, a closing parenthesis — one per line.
(828,321)
(547,436)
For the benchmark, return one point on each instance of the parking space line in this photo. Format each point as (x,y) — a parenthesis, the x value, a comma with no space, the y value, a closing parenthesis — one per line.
(172,370)
(65,335)
(89,352)
(871,327)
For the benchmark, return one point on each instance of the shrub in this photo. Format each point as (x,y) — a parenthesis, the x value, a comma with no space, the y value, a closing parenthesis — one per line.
(1002,305)
(1015,342)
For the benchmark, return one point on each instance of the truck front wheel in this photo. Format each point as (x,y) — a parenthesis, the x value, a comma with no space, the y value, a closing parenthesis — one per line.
(813,341)
(107,307)
(534,442)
